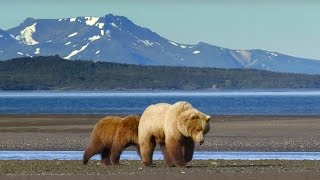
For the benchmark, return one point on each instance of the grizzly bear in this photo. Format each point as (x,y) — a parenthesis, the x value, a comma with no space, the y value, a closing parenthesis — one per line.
(176,128)
(110,136)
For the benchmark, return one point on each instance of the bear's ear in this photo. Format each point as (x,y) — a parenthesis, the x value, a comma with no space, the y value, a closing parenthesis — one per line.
(193,116)
(208,118)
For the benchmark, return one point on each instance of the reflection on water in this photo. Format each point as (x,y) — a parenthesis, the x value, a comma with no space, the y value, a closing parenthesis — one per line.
(131,155)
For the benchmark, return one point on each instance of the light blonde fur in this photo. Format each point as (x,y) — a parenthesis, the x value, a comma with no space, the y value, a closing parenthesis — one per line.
(175,127)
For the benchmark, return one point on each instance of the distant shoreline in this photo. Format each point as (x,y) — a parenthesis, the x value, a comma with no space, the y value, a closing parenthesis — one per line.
(37,74)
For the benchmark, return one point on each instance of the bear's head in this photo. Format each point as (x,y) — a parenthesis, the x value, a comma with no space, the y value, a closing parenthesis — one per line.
(192,122)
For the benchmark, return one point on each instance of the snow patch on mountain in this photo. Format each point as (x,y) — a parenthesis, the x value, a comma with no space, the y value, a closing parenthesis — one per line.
(73,19)
(146,42)
(73,34)
(90,21)
(37,51)
(114,25)
(195,52)
(108,32)
(98,52)
(93,38)
(20,53)
(178,45)
(76,51)
(100,25)
(67,43)
(243,56)
(26,35)
(173,43)
(183,46)
(273,54)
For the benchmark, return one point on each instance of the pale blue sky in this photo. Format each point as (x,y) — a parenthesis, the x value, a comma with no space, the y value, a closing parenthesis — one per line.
(287,26)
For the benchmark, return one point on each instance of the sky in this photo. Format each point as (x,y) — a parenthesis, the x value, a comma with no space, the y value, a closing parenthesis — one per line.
(287,26)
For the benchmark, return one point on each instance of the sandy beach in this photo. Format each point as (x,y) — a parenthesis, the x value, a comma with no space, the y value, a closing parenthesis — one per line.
(228,133)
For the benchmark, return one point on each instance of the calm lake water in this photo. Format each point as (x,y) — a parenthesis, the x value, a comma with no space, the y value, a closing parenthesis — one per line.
(131,155)
(217,103)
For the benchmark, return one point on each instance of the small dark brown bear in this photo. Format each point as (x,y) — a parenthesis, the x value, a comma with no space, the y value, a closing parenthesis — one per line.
(110,136)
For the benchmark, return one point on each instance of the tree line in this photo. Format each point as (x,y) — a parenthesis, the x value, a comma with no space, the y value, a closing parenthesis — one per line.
(54,73)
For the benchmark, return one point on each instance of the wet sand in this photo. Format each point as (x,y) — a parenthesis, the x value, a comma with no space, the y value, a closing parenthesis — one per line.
(228,133)
(210,169)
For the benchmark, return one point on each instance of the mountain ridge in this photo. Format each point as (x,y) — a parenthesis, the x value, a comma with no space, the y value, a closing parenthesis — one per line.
(117,39)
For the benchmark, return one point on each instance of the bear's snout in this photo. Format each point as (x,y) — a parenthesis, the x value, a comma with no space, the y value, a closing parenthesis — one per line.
(201,142)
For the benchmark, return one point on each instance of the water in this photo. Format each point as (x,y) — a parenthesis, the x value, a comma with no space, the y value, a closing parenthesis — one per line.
(131,155)
(218,103)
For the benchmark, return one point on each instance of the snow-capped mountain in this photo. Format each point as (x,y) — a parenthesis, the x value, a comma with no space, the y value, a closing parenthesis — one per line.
(117,39)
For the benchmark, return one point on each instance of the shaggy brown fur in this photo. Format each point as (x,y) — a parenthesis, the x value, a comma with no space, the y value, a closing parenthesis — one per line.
(110,136)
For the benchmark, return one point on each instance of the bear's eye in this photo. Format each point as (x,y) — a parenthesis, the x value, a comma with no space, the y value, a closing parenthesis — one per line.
(198,130)
(194,116)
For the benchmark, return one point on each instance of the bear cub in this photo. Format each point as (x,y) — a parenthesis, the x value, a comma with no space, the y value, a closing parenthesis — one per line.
(110,136)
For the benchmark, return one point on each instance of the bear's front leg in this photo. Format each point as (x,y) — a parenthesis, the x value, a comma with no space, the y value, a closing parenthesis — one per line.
(105,156)
(174,151)
(188,149)
(167,158)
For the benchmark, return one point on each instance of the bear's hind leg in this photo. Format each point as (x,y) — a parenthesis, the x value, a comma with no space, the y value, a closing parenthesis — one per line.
(89,152)
(105,156)
(138,149)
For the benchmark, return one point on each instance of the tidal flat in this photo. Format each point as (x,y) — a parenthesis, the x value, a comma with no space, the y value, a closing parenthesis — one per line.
(228,133)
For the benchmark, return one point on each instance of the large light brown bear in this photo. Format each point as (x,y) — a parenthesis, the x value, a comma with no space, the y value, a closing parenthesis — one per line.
(110,136)
(176,128)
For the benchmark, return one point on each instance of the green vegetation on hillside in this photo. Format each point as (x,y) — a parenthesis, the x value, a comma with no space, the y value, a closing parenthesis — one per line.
(54,73)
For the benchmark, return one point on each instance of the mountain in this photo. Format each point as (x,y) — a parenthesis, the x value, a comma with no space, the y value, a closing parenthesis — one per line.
(117,39)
